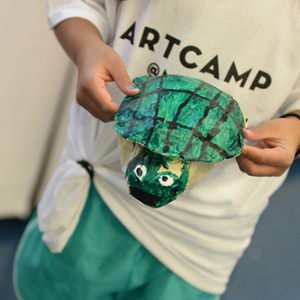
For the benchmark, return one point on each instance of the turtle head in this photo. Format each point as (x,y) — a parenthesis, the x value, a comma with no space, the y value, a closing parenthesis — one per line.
(156,180)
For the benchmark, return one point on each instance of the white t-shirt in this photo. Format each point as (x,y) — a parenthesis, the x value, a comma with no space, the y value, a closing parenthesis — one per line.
(249,49)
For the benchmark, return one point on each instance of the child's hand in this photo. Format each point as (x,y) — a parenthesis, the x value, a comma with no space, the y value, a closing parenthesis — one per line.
(274,151)
(97,64)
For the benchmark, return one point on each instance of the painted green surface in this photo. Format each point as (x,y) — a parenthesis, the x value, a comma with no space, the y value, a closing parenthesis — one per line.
(151,180)
(176,117)
(182,117)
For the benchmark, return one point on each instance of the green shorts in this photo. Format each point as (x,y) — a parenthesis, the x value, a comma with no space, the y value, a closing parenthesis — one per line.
(101,261)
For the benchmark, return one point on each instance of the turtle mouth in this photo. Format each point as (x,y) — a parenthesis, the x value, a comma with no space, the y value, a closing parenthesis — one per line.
(144,197)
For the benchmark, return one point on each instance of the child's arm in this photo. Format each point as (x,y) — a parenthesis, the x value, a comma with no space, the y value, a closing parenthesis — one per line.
(274,151)
(97,64)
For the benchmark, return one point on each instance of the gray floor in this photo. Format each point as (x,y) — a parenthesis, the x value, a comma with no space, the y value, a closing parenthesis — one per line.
(269,269)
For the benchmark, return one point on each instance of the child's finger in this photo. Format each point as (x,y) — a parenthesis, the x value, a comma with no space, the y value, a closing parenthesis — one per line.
(96,92)
(258,133)
(90,105)
(104,101)
(123,81)
(254,169)
(241,167)
(276,157)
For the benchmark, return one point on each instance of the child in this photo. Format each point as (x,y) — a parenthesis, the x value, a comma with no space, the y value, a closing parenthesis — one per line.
(96,241)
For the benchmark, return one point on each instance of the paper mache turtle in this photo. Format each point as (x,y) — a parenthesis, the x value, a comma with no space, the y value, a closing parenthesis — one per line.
(173,132)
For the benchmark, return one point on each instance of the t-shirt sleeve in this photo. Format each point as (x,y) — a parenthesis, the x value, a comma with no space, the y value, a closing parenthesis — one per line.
(293,101)
(95,11)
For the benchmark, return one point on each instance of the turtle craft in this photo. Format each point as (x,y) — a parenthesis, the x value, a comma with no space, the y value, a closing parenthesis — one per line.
(173,132)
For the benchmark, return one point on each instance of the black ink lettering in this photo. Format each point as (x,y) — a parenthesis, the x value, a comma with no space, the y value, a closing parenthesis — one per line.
(257,81)
(212,67)
(172,42)
(146,40)
(232,72)
(165,72)
(129,34)
(183,54)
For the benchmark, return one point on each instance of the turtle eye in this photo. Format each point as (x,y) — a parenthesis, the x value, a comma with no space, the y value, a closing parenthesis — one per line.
(140,171)
(166,180)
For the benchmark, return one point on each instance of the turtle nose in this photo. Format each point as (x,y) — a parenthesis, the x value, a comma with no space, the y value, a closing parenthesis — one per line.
(144,197)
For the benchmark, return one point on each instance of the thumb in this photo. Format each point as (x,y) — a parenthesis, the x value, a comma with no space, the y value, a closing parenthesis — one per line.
(257,133)
(124,82)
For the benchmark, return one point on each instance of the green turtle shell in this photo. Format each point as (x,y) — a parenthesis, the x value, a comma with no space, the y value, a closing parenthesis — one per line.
(182,117)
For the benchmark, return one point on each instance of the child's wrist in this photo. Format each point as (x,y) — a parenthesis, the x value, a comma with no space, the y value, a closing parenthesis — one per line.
(295,118)
(85,49)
